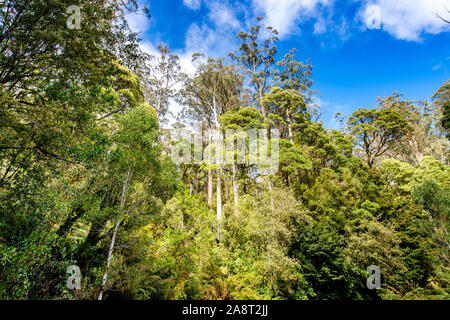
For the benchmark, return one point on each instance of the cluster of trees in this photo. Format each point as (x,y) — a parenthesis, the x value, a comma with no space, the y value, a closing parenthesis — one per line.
(86,176)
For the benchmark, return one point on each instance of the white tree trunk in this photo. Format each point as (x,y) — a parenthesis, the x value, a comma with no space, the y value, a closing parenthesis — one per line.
(210,187)
(291,139)
(219,202)
(219,171)
(210,174)
(235,190)
(113,240)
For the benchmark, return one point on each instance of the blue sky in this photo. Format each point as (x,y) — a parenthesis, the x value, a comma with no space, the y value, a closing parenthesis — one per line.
(360,49)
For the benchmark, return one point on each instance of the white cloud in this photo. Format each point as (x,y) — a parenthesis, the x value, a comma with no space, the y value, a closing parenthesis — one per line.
(213,42)
(284,15)
(320,27)
(149,47)
(186,63)
(215,33)
(223,15)
(403,19)
(138,22)
(214,36)
(407,19)
(192,4)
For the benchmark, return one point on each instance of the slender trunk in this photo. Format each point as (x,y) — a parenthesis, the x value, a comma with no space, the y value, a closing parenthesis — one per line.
(158,108)
(417,153)
(113,240)
(226,191)
(291,135)
(210,187)
(219,202)
(263,111)
(210,174)
(205,189)
(263,107)
(219,171)
(235,191)
(291,139)
(158,112)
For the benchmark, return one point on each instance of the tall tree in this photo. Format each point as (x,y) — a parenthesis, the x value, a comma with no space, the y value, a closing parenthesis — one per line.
(419,116)
(296,76)
(236,123)
(214,90)
(376,131)
(257,58)
(138,157)
(51,76)
(159,79)
(288,111)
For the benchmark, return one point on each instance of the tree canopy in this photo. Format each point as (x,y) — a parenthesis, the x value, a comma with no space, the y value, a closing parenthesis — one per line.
(87,179)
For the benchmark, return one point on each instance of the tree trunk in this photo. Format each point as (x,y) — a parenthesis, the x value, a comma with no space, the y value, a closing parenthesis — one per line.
(210,175)
(219,202)
(158,111)
(218,171)
(291,139)
(263,111)
(291,135)
(210,187)
(205,189)
(417,153)
(263,107)
(113,240)
(235,191)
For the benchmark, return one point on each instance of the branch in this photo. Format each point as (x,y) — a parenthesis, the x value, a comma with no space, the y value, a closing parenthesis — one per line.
(445,20)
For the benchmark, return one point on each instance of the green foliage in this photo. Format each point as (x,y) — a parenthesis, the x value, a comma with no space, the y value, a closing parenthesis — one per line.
(84,160)
(445,121)
(405,177)
(377,130)
(441,99)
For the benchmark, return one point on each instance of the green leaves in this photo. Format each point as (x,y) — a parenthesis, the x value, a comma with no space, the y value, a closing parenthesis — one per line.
(137,137)
(257,58)
(83,157)
(376,131)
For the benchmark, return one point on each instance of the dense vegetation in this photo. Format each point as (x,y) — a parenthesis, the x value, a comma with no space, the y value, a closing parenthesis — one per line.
(86,176)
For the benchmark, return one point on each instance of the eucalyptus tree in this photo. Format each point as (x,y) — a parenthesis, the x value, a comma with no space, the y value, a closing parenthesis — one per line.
(288,113)
(425,137)
(137,156)
(160,78)
(236,124)
(257,58)
(297,76)
(376,131)
(212,91)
